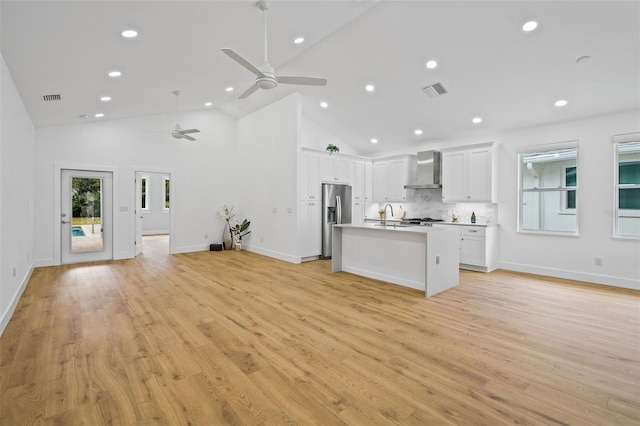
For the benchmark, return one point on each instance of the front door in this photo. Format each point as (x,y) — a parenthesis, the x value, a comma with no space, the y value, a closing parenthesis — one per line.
(86,216)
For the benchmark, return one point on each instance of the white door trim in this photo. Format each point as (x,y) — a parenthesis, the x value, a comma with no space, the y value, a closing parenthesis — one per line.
(57,209)
(132,202)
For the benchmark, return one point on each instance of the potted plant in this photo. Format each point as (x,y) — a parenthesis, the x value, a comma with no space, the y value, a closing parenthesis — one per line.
(332,148)
(381,213)
(239,230)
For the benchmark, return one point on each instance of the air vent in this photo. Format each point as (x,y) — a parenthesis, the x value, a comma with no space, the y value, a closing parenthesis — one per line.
(435,90)
(49,98)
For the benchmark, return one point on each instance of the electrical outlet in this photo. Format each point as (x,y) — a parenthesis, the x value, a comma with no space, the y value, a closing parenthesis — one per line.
(261,240)
(289,210)
(274,210)
(598,261)
(206,236)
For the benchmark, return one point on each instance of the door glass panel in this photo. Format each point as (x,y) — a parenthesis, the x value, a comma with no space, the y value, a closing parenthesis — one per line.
(86,222)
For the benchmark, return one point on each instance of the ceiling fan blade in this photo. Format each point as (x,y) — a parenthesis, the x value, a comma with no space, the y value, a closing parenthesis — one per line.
(247,92)
(307,81)
(184,132)
(242,61)
(189,138)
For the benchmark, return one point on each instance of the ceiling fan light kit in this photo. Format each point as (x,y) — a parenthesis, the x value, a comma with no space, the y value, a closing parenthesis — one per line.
(266,77)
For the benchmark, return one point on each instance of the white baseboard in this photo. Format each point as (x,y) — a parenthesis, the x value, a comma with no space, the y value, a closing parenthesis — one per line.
(154,232)
(6,316)
(189,249)
(572,275)
(386,278)
(274,254)
(39,263)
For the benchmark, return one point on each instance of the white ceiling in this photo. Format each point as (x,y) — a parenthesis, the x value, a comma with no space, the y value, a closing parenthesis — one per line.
(491,68)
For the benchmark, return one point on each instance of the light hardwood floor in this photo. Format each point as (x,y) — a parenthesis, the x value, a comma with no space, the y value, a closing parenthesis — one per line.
(216,338)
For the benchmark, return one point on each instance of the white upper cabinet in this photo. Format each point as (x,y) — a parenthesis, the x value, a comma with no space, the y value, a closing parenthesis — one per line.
(356,179)
(390,176)
(469,174)
(309,172)
(334,168)
(380,179)
(368,181)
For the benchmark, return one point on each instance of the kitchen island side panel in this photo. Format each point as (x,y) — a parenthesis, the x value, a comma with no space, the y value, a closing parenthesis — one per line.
(394,257)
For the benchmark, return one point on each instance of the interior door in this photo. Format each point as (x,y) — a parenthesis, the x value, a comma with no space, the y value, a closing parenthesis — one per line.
(86,216)
(138,212)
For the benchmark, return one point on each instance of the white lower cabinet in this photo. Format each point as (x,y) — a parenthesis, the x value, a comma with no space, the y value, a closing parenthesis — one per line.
(478,247)
(311,228)
(357,212)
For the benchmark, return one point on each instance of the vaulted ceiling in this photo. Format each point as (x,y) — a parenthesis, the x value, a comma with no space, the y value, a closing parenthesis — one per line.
(491,68)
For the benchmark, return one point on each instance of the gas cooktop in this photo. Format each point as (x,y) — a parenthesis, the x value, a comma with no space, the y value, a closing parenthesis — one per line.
(420,220)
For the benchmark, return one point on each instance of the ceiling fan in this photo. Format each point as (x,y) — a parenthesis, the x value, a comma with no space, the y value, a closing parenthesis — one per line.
(265,74)
(177,131)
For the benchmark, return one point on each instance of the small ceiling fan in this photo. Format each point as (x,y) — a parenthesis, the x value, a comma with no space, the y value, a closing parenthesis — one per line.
(265,74)
(177,131)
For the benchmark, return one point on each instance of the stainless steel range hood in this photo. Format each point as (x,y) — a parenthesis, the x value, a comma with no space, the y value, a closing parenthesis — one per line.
(427,171)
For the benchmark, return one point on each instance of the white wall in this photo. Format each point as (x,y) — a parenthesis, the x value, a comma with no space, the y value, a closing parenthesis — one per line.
(265,176)
(314,136)
(155,220)
(200,172)
(571,257)
(17,199)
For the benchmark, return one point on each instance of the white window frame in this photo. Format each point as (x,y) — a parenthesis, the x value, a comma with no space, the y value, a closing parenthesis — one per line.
(147,199)
(543,149)
(164,193)
(620,140)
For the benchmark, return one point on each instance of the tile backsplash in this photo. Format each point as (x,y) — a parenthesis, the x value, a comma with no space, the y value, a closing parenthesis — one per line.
(428,203)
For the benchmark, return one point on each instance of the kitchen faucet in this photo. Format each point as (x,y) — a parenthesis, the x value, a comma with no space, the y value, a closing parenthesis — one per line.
(385,214)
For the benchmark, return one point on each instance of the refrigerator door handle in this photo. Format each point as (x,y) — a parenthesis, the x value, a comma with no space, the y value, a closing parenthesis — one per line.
(339,210)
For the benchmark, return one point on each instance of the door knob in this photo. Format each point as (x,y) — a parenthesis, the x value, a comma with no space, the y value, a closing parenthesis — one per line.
(64,221)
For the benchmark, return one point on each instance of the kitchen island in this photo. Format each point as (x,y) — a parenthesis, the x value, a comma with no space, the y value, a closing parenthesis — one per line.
(420,257)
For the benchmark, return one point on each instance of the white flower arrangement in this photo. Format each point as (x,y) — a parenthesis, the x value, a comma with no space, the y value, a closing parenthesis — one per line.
(227,214)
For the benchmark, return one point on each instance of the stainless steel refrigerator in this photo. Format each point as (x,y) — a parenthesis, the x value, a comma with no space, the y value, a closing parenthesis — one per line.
(336,208)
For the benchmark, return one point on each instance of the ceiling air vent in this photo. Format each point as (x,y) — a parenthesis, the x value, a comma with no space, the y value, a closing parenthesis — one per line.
(435,90)
(49,98)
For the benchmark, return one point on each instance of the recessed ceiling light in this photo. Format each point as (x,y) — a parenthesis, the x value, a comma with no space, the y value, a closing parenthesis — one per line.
(129,33)
(324,104)
(229,89)
(299,40)
(418,132)
(476,120)
(98,115)
(105,98)
(432,64)
(374,140)
(369,88)
(561,103)
(208,104)
(115,74)
(530,26)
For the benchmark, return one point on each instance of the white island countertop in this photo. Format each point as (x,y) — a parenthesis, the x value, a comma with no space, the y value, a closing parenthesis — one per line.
(393,226)
(420,257)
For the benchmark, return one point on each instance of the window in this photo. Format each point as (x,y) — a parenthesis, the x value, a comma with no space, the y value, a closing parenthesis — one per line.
(166,192)
(570,179)
(549,190)
(144,193)
(627,186)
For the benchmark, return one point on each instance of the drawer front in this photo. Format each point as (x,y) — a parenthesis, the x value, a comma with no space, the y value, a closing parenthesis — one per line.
(473,231)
